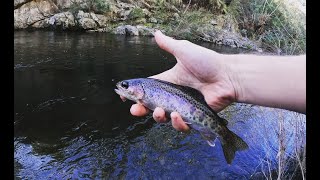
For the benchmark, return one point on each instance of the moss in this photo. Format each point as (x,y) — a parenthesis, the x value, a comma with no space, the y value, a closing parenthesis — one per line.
(101,6)
(149,25)
(136,13)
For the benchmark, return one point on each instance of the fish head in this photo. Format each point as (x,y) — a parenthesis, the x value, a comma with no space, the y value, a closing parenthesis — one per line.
(131,89)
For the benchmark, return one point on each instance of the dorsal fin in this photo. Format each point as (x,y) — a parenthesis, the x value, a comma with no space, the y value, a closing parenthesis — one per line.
(224,121)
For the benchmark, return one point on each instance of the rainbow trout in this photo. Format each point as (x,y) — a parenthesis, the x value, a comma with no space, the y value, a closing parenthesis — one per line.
(189,103)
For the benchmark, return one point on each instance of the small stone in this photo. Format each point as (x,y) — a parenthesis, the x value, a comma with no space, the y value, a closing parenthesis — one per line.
(213,22)
(141,21)
(153,20)
(176,16)
(243,32)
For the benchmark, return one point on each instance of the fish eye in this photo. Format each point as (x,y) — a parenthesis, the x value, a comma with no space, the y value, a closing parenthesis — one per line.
(124,84)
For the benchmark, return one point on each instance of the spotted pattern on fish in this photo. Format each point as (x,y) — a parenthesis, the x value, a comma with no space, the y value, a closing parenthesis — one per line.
(189,103)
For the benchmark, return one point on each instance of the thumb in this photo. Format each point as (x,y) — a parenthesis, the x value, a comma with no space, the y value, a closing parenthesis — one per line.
(167,43)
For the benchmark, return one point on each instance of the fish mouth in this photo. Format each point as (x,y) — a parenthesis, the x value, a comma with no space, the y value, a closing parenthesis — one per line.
(119,91)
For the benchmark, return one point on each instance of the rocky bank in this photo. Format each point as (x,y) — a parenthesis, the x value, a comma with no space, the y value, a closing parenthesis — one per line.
(124,17)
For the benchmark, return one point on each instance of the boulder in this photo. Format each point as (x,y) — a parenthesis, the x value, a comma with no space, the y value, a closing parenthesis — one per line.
(18,3)
(145,31)
(33,12)
(85,20)
(127,30)
(65,20)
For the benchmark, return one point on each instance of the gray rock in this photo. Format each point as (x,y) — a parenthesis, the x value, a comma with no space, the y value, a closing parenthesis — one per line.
(127,30)
(41,24)
(64,4)
(87,23)
(153,20)
(85,20)
(123,14)
(100,19)
(91,20)
(65,20)
(132,30)
(99,30)
(213,22)
(141,21)
(33,12)
(124,6)
(120,30)
(160,21)
(243,32)
(18,3)
(82,15)
(229,42)
(176,16)
(146,13)
(144,31)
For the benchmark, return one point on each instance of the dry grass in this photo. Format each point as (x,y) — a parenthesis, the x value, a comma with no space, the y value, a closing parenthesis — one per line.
(290,133)
(279,25)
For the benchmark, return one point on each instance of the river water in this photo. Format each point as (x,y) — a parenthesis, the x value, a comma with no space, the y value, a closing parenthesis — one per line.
(70,124)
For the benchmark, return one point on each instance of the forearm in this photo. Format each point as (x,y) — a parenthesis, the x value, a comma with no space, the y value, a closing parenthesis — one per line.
(270,80)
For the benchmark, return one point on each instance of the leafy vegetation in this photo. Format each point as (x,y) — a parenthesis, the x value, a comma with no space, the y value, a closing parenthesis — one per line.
(136,13)
(277,25)
(97,6)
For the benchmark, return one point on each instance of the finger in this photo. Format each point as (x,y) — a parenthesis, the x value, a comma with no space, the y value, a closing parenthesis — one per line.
(178,123)
(159,115)
(166,43)
(123,98)
(138,110)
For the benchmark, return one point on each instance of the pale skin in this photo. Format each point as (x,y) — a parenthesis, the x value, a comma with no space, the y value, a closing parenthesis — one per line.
(272,81)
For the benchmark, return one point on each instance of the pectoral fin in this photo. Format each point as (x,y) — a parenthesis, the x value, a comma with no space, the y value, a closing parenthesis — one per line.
(206,134)
(210,137)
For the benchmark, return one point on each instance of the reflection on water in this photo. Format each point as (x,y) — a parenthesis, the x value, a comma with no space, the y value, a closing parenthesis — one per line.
(69,123)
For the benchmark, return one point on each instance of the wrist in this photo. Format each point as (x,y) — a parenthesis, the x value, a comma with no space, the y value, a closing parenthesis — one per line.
(234,74)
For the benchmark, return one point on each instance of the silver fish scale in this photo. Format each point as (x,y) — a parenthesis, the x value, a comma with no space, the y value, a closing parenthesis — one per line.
(167,96)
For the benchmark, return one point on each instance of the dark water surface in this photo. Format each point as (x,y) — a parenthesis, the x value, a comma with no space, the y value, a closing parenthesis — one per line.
(70,124)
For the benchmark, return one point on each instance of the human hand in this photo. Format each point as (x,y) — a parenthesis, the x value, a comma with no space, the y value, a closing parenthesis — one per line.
(199,68)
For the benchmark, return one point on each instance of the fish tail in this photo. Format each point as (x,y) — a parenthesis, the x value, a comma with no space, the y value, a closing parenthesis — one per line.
(231,143)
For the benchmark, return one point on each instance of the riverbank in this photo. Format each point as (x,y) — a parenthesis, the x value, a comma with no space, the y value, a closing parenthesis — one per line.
(212,21)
